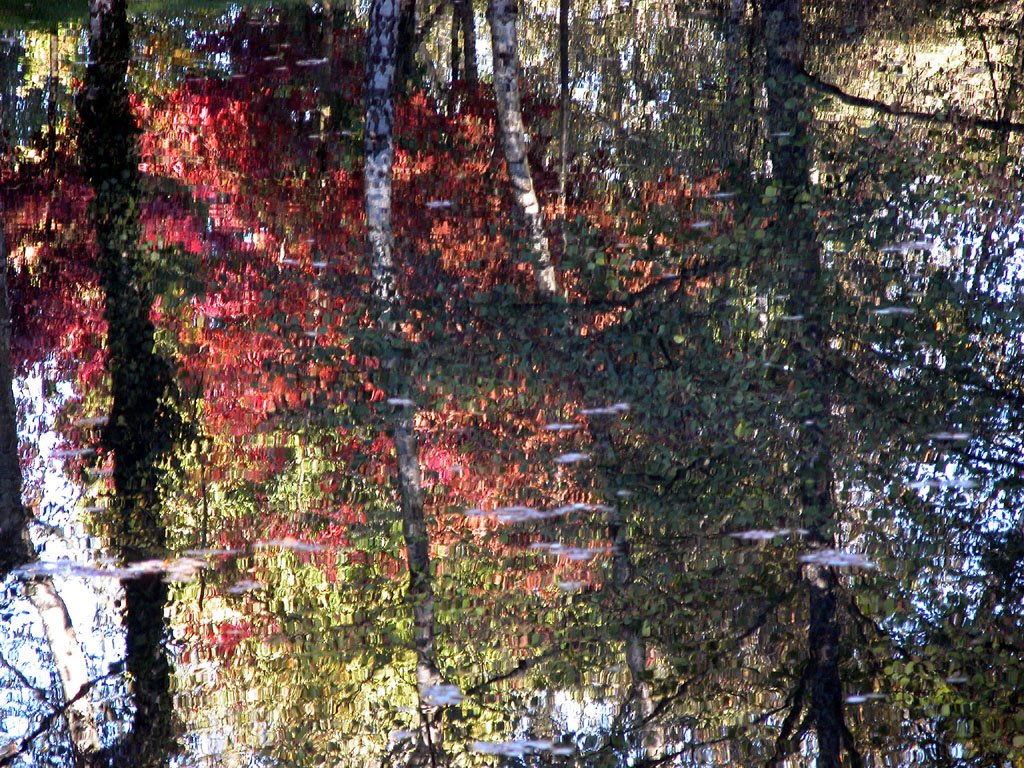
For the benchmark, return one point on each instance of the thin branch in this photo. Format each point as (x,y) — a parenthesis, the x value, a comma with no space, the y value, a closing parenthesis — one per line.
(634,297)
(850,745)
(47,722)
(1000,125)
(805,725)
(688,749)
(767,611)
(663,703)
(1002,462)
(856,613)
(523,666)
(1013,81)
(41,692)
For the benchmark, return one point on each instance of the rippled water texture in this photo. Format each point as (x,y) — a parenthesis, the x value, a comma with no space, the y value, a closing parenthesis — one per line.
(465,384)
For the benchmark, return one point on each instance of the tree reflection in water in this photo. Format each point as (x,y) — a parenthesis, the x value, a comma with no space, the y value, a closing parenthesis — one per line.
(725,473)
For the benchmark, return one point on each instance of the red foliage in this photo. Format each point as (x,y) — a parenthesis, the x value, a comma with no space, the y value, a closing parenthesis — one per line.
(274,238)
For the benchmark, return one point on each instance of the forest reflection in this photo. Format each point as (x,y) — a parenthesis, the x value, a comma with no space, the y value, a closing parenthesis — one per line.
(474,384)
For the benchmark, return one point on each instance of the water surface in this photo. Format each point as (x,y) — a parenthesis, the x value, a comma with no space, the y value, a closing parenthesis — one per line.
(744,490)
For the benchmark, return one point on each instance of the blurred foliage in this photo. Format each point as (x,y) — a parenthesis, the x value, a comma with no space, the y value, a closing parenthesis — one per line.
(860,324)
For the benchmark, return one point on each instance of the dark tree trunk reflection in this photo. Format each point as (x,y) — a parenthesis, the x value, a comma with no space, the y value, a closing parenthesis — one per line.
(463,36)
(408,41)
(456,52)
(789,147)
(137,428)
(15,548)
(468,27)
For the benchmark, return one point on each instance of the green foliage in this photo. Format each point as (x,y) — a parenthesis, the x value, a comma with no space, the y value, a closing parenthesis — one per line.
(801,369)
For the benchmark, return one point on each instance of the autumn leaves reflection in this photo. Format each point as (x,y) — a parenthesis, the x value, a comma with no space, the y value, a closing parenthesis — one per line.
(484,505)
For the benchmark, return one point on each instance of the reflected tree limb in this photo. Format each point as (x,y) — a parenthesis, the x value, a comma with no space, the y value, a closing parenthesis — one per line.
(25,682)
(1011,97)
(762,618)
(952,118)
(863,619)
(524,666)
(988,61)
(428,24)
(50,719)
(784,741)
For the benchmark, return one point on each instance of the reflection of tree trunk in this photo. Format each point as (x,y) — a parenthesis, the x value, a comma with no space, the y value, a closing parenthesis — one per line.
(10,82)
(787,126)
(563,100)
(382,37)
(463,59)
(731,104)
(381,48)
(136,431)
(72,669)
(464,8)
(14,544)
(51,104)
(150,741)
(801,258)
(1011,96)
(456,41)
(421,588)
(502,15)
(407,41)
(325,74)
(139,378)
(788,113)
(622,584)
(823,646)
(16,549)
(636,649)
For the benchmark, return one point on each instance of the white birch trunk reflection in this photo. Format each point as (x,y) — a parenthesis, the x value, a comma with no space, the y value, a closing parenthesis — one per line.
(17,549)
(381,48)
(382,43)
(502,16)
(421,588)
(69,659)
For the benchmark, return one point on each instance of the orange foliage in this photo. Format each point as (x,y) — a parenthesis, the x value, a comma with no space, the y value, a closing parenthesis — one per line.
(275,238)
